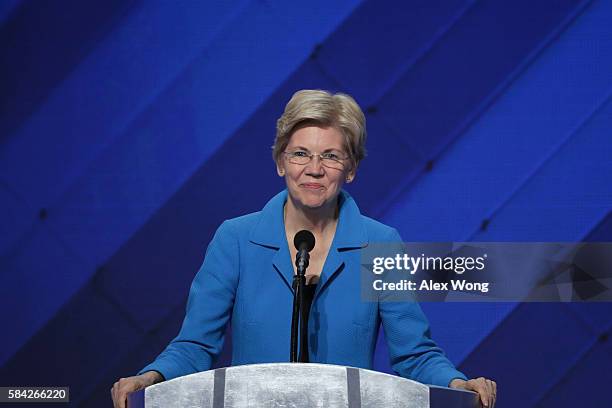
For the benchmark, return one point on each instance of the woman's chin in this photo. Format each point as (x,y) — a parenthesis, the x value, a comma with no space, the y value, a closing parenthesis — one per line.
(312,204)
(317,204)
(312,201)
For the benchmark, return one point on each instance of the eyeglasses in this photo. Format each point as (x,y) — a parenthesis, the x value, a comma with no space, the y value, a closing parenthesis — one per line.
(331,159)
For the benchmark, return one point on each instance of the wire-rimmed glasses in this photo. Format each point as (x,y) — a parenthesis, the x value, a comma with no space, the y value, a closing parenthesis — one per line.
(332,159)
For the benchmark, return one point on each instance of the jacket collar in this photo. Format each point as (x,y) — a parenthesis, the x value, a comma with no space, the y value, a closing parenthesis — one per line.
(350,234)
(350,231)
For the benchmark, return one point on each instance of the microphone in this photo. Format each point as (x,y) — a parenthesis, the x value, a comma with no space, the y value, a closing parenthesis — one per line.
(304,242)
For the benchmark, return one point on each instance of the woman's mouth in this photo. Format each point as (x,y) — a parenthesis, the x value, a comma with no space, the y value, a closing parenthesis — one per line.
(312,186)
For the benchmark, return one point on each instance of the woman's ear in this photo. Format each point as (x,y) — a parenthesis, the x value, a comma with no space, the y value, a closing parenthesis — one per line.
(350,176)
(280,170)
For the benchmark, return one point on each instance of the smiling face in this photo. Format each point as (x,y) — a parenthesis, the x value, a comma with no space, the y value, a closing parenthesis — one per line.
(314,185)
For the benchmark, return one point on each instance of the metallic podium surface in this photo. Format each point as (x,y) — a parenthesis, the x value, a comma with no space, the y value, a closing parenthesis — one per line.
(297,385)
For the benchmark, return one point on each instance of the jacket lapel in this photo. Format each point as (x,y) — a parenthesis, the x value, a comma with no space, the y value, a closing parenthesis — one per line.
(350,235)
(270,233)
(282,264)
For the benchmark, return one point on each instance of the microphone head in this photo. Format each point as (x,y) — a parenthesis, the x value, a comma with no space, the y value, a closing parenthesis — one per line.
(304,240)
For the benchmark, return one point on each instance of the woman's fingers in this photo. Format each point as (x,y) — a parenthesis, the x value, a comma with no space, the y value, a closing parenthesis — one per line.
(119,393)
(484,390)
(493,387)
(123,387)
(115,396)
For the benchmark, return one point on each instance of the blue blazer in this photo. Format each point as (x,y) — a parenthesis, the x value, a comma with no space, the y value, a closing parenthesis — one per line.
(246,278)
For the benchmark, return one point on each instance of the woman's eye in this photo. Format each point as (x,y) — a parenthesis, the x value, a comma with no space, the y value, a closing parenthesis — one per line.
(300,153)
(331,156)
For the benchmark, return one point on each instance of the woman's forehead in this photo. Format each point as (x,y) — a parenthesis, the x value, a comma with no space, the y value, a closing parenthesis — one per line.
(315,137)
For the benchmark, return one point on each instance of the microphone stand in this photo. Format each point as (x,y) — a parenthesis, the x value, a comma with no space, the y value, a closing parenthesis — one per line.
(297,323)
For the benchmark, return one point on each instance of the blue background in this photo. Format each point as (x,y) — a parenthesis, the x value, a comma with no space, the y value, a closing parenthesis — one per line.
(129,130)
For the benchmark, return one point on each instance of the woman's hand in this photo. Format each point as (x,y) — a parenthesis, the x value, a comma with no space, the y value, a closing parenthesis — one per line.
(124,386)
(486,389)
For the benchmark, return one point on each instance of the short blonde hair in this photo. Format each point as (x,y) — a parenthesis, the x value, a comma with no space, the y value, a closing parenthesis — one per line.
(322,108)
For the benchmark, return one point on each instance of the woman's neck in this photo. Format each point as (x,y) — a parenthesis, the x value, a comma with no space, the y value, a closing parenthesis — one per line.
(317,220)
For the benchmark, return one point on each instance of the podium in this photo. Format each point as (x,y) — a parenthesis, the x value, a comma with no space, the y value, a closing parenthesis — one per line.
(297,385)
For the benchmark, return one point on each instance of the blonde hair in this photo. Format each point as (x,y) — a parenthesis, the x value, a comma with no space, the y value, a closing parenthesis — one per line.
(322,108)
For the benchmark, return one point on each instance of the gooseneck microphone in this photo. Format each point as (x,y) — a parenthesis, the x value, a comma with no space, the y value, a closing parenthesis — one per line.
(304,242)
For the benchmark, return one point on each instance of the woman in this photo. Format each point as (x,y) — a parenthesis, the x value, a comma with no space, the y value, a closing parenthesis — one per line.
(248,271)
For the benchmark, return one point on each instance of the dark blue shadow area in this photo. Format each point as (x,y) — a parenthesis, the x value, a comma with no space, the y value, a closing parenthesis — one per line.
(41,43)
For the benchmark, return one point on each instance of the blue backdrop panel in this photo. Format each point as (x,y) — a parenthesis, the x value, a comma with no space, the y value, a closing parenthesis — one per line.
(85,113)
(103,94)
(388,151)
(597,316)
(28,293)
(582,164)
(82,334)
(6,8)
(30,40)
(96,393)
(586,383)
(116,76)
(470,53)
(432,103)
(534,332)
(496,156)
(382,40)
(570,185)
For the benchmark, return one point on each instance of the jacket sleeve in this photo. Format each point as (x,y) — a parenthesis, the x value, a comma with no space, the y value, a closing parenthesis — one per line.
(209,308)
(412,352)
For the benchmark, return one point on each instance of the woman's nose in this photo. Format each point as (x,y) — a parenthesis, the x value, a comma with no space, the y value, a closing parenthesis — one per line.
(315,166)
